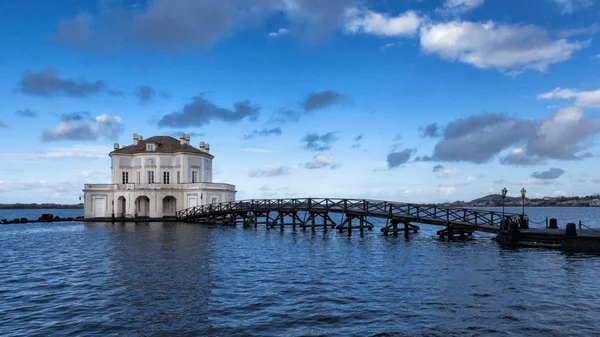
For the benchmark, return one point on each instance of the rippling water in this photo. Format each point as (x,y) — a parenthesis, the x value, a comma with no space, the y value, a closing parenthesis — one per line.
(183,279)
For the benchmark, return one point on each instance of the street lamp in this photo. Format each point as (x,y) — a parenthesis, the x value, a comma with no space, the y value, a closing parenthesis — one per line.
(504,191)
(523,191)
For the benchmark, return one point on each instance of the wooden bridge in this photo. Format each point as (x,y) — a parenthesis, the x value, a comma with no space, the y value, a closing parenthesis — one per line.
(355,214)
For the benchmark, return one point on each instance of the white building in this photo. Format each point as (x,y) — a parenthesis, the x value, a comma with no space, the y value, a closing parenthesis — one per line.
(155,178)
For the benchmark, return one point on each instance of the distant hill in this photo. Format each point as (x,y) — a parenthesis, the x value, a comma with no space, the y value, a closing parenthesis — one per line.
(494,197)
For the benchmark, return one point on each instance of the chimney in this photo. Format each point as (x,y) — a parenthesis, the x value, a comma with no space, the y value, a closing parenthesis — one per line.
(135,139)
(207,147)
(182,138)
(116,146)
(140,138)
(187,139)
(202,146)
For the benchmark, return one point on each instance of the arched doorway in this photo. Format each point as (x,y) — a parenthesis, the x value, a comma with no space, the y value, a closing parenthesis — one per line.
(169,206)
(121,207)
(142,206)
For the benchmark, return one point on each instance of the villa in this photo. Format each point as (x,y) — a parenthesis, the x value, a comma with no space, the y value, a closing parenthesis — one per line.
(155,178)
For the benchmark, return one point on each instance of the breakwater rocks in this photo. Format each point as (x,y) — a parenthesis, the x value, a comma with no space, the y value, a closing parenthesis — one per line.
(42,218)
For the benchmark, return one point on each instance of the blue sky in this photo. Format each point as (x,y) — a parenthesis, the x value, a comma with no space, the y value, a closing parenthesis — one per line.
(407,100)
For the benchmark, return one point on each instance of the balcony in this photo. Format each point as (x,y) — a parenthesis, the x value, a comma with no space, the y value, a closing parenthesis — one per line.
(129,187)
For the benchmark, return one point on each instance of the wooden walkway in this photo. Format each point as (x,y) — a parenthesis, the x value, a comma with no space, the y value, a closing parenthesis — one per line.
(355,214)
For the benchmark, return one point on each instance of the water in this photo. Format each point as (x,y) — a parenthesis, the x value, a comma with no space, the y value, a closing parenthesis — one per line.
(34,214)
(183,279)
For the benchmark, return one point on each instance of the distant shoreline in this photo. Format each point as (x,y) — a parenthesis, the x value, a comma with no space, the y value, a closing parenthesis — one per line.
(40,206)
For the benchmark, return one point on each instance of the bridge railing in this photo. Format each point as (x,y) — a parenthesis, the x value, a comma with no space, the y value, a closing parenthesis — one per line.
(378,208)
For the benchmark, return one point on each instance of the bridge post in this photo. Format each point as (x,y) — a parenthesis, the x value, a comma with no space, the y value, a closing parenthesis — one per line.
(268,219)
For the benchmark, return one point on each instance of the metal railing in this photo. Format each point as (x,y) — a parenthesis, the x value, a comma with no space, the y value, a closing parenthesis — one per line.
(430,214)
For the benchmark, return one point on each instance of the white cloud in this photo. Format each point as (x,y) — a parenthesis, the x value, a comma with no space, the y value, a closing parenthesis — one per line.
(559,193)
(74,152)
(448,173)
(561,136)
(103,126)
(538,182)
(586,99)
(389,45)
(272,170)
(459,6)
(446,190)
(370,22)
(320,161)
(592,29)
(570,6)
(500,46)
(33,184)
(279,32)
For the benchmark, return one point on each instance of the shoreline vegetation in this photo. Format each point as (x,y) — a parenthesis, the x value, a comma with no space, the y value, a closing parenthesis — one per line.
(41,206)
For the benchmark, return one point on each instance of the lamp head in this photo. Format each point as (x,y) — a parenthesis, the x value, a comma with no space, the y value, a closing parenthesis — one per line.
(504,191)
(523,191)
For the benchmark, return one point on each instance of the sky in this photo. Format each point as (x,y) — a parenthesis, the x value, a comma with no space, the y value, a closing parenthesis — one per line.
(403,100)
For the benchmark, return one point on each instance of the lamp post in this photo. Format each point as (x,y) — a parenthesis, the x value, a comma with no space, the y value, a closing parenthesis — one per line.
(523,191)
(504,191)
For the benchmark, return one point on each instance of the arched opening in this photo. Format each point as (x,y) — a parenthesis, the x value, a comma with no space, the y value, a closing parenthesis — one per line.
(142,206)
(121,207)
(169,206)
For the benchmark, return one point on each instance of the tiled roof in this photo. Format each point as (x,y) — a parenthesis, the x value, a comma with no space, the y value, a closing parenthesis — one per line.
(164,144)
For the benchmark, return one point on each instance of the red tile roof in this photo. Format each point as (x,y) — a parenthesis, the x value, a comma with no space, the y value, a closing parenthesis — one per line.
(164,144)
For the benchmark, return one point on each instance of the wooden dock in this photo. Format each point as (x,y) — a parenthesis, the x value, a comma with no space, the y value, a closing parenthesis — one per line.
(355,214)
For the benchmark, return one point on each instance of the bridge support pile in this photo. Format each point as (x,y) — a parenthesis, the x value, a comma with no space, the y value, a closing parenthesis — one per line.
(362,222)
(454,233)
(395,229)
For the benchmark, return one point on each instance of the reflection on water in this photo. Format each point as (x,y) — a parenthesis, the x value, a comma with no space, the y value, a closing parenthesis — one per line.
(183,279)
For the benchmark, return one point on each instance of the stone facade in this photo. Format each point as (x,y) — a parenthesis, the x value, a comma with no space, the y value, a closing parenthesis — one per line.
(155,178)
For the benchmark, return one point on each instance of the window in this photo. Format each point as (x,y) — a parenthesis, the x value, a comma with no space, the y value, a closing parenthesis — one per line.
(166,178)
(213,200)
(178,177)
(149,147)
(150,177)
(194,176)
(138,178)
(125,177)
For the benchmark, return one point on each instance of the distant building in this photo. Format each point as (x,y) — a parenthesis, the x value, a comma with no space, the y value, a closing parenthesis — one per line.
(595,203)
(155,178)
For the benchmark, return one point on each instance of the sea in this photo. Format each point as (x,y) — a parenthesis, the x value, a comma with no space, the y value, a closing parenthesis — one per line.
(179,279)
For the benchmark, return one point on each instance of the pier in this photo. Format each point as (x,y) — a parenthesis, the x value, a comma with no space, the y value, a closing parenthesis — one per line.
(511,229)
(356,214)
